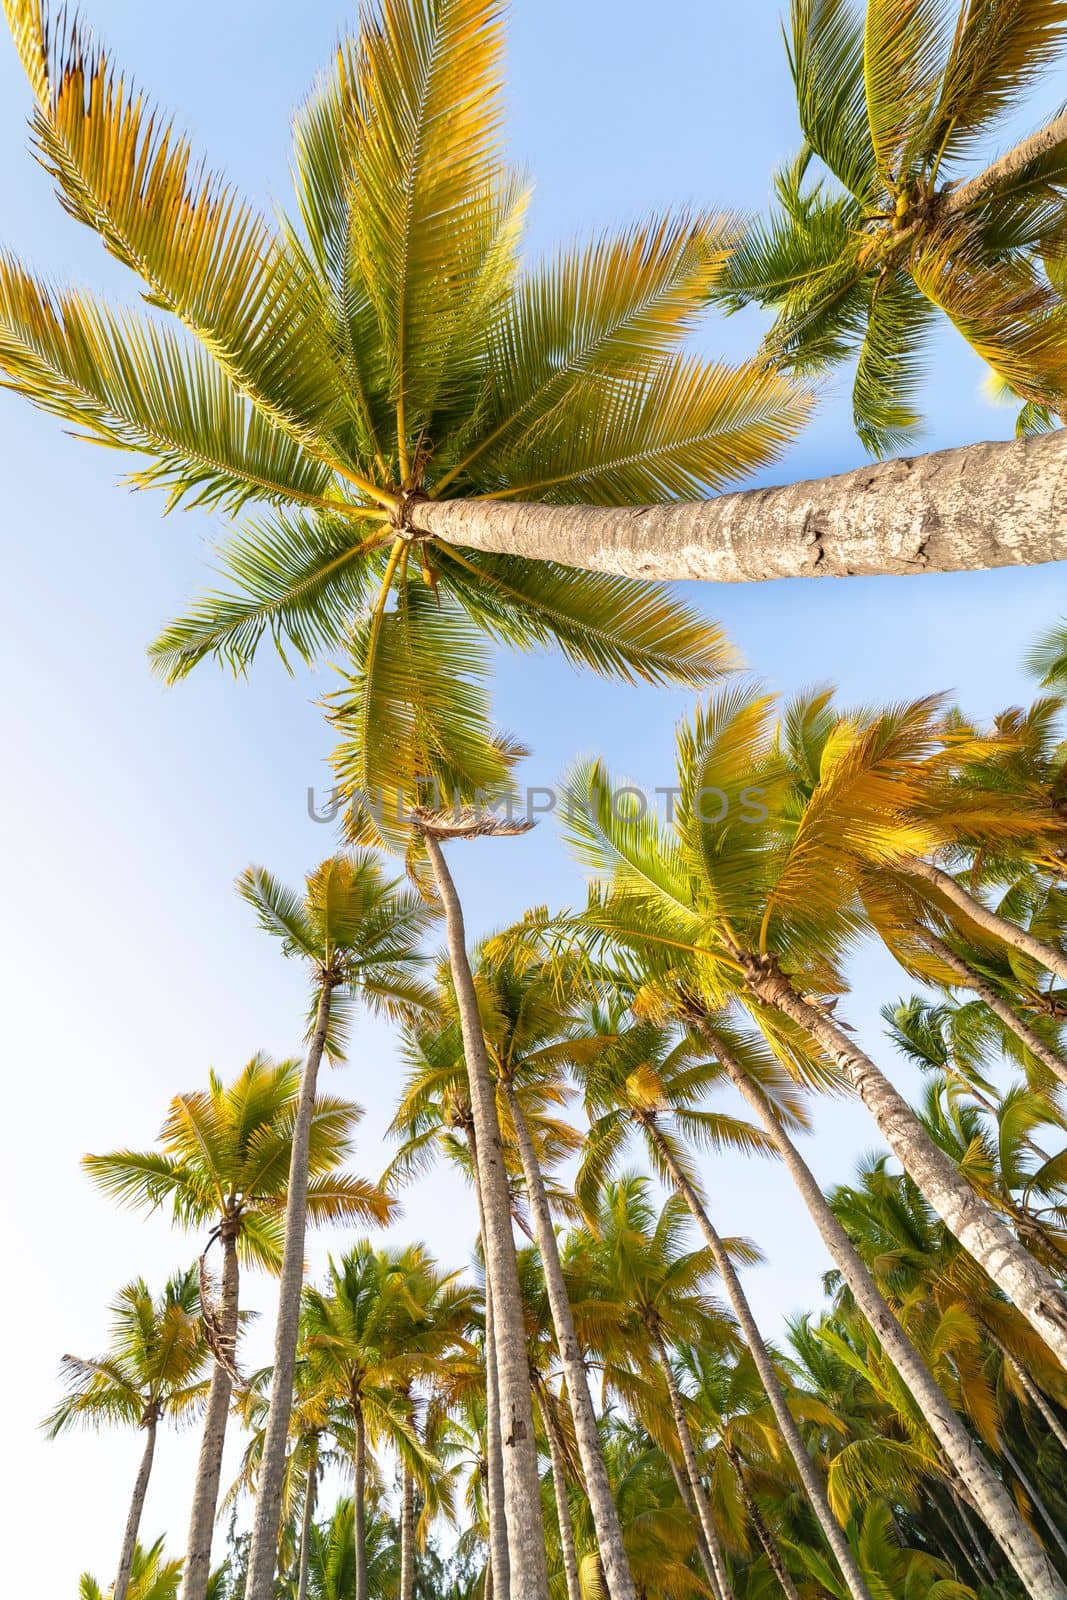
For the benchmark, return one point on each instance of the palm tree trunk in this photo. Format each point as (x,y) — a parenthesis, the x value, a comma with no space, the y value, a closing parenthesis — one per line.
(197,1568)
(487,1581)
(1032,1393)
(989,997)
(494,1457)
(814,1490)
(763,1533)
(1008,933)
(996,1507)
(685,1494)
(263,1555)
(720,1580)
(359,1505)
(986,505)
(598,1485)
(522,1487)
(1034,1497)
(133,1521)
(407,1536)
(307,1522)
(980,1231)
(563,1509)
(1013,161)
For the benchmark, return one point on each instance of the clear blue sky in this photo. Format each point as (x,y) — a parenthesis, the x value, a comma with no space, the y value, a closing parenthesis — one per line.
(129,965)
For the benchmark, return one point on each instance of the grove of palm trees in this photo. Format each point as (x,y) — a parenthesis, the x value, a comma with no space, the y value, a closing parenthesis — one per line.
(637,1177)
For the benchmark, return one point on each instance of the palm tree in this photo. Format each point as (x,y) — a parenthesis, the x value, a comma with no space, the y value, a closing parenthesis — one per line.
(633,1087)
(757,898)
(359,935)
(151,1371)
(224,1165)
(891,105)
(385,1319)
(415,362)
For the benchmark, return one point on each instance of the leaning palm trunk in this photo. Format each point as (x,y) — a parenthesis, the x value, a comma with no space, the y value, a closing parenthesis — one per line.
(197,1569)
(814,1490)
(598,1485)
(1008,933)
(307,1522)
(497,1569)
(563,1507)
(1033,1496)
(685,1494)
(979,1230)
(998,1511)
(407,1536)
(763,1533)
(359,1505)
(718,1575)
(522,1492)
(1031,1391)
(989,997)
(133,1521)
(264,1551)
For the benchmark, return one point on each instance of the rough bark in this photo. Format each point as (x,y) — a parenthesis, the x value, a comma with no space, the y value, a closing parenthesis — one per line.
(133,1520)
(1008,933)
(587,1434)
(522,1489)
(720,1580)
(263,1555)
(995,1505)
(407,1536)
(982,1233)
(306,1523)
(985,505)
(989,997)
(497,1567)
(359,1503)
(197,1568)
(967,195)
(761,1356)
(763,1533)
(563,1509)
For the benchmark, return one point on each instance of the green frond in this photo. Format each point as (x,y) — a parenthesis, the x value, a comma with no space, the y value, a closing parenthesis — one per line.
(904,50)
(999,52)
(825,47)
(891,366)
(298,581)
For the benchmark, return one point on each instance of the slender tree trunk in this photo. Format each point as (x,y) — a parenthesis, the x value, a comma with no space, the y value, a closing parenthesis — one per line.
(597,1483)
(1033,1496)
(721,1581)
(809,1477)
(263,1555)
(763,1533)
(407,1536)
(980,1231)
(359,1504)
(685,1494)
(487,1581)
(1013,161)
(563,1509)
(986,505)
(976,911)
(494,1456)
(522,1487)
(989,997)
(307,1522)
(197,1569)
(996,1507)
(1033,1394)
(133,1521)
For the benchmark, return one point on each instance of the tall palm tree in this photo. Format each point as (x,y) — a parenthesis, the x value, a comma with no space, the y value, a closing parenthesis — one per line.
(758,899)
(224,1165)
(628,1086)
(358,934)
(865,248)
(152,1371)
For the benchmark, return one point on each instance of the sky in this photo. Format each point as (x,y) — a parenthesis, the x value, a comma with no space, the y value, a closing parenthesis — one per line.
(129,965)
